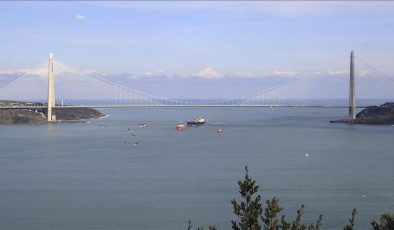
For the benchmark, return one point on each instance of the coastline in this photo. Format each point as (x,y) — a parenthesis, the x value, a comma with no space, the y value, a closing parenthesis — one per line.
(38,116)
(373,115)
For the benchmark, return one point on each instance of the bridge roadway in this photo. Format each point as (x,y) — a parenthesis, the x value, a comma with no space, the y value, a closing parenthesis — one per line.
(198,106)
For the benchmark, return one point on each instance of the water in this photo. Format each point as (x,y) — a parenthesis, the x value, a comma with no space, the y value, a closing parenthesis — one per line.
(83,176)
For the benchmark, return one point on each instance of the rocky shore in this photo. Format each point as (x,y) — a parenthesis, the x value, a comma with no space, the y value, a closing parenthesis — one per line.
(38,116)
(382,114)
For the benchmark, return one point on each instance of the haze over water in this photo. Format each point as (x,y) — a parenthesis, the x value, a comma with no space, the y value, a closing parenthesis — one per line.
(83,175)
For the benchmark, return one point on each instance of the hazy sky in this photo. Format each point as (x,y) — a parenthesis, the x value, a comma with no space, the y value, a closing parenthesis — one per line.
(193,40)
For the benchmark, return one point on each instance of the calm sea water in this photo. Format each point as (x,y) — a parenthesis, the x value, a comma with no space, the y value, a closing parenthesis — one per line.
(84,176)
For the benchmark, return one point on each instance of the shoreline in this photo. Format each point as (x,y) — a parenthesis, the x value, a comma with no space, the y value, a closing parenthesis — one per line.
(373,115)
(38,116)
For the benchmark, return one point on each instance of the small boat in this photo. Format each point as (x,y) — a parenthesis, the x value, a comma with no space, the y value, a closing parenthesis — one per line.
(219,130)
(136,143)
(200,120)
(181,126)
(143,125)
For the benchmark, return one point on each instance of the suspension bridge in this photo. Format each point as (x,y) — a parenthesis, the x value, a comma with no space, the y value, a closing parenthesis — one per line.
(57,84)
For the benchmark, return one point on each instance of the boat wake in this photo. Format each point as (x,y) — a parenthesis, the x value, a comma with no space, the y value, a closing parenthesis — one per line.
(104,116)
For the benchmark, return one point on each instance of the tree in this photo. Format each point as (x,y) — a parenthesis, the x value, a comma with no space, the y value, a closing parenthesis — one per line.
(251,216)
(351,220)
(296,224)
(249,209)
(270,214)
(386,222)
(190,227)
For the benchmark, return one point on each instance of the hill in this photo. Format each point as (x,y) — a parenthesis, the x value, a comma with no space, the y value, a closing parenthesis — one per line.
(382,114)
(38,116)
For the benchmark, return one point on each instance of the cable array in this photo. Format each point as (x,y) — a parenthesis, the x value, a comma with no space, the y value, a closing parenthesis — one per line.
(77,87)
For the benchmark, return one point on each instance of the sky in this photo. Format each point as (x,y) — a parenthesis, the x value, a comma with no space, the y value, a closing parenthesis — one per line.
(224,49)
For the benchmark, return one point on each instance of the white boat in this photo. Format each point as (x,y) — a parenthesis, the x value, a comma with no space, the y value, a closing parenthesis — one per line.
(143,125)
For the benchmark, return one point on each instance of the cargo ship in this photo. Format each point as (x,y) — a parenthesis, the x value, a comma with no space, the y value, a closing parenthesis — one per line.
(200,120)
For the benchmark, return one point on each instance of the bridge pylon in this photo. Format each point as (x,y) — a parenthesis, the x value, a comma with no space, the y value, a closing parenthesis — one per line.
(352,90)
(51,89)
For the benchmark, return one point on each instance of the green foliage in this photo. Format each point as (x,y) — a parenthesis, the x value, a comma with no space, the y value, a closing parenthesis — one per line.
(190,227)
(351,220)
(317,225)
(249,209)
(296,224)
(270,214)
(386,222)
(250,213)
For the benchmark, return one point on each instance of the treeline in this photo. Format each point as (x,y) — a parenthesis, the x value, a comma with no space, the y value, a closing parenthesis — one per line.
(252,215)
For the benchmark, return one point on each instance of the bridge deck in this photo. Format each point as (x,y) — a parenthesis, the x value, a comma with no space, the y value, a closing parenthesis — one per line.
(198,106)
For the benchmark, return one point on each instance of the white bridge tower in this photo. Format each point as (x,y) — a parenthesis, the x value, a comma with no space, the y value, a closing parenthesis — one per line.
(352,91)
(51,90)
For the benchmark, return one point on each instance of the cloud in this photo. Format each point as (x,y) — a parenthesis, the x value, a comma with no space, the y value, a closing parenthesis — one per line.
(208,73)
(288,73)
(41,72)
(80,17)
(149,75)
(338,72)
(245,75)
(13,71)
(157,74)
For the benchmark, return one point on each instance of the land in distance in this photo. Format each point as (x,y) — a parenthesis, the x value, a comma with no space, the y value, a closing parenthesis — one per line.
(38,115)
(382,114)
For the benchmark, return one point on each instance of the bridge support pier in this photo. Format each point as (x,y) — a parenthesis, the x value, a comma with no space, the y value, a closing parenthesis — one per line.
(352,91)
(51,89)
